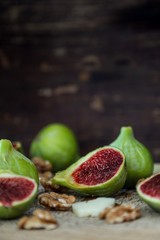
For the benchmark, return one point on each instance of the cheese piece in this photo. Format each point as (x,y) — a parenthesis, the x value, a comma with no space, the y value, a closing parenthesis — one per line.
(92,208)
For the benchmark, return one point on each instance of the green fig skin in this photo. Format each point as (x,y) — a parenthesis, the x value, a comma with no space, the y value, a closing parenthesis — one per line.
(57,144)
(154,203)
(108,188)
(15,162)
(139,161)
(18,209)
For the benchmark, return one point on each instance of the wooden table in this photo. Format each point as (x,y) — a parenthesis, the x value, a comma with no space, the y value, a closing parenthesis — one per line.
(72,227)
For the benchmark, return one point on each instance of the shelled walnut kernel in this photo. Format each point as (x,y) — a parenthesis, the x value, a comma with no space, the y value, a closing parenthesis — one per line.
(121,213)
(41,219)
(45,176)
(56,201)
(41,164)
(48,186)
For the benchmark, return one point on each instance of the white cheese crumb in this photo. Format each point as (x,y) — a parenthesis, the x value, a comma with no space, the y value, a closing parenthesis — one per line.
(92,208)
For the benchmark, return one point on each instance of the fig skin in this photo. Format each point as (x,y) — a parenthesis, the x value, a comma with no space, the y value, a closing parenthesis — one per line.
(139,161)
(57,144)
(108,188)
(154,203)
(13,161)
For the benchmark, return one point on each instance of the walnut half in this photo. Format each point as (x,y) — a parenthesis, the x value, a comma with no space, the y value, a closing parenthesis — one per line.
(121,213)
(42,165)
(41,219)
(48,186)
(56,201)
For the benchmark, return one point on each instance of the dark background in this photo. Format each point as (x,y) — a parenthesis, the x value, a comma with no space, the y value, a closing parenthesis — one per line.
(93,65)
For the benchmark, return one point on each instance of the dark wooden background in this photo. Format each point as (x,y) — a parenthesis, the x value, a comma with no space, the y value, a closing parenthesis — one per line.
(91,64)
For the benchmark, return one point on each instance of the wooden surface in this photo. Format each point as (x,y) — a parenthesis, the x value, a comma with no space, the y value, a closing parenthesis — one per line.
(93,65)
(72,227)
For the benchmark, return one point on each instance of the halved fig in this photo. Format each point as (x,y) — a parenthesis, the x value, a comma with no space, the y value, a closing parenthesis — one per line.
(17,193)
(100,173)
(12,161)
(18,181)
(149,191)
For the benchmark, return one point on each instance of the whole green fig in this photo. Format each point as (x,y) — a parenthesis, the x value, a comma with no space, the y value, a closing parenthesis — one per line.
(139,161)
(56,143)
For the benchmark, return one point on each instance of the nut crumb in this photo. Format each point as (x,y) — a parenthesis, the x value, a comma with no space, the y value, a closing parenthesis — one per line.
(41,164)
(41,219)
(61,202)
(121,213)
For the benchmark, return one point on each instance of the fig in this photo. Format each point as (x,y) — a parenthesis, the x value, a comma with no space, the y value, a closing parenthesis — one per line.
(149,191)
(18,181)
(139,161)
(57,144)
(12,161)
(17,194)
(99,173)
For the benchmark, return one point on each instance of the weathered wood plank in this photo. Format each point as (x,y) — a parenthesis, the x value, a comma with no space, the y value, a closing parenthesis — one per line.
(84,63)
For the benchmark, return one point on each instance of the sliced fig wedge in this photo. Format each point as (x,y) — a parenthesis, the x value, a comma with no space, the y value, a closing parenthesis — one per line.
(149,191)
(18,181)
(100,173)
(12,161)
(17,193)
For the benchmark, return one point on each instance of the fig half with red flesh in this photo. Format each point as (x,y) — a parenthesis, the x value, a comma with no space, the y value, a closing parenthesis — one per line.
(100,173)
(18,181)
(17,193)
(149,191)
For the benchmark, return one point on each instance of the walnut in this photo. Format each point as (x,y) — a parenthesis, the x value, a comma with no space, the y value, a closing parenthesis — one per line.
(56,201)
(121,213)
(41,219)
(48,186)
(45,175)
(42,165)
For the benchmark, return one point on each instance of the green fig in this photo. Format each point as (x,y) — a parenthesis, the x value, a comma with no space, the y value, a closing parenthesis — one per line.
(57,144)
(15,162)
(18,181)
(149,191)
(100,173)
(139,161)
(17,193)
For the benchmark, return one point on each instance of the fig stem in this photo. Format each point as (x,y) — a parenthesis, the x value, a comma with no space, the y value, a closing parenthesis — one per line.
(127,132)
(5,146)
